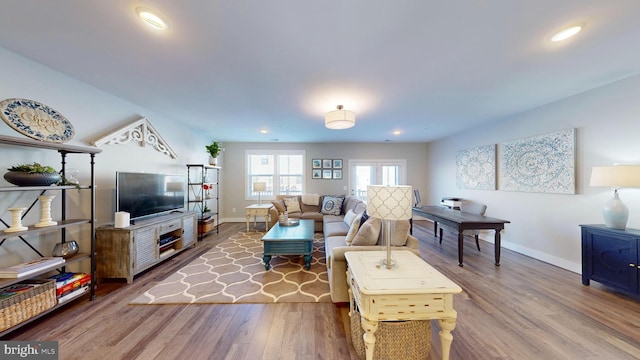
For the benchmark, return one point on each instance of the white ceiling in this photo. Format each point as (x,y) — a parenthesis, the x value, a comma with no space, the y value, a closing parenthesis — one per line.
(427,68)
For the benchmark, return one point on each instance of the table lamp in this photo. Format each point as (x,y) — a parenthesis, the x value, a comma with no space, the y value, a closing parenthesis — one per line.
(615,212)
(389,203)
(259,187)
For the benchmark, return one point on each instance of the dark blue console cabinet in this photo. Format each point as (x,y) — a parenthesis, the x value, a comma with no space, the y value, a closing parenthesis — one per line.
(611,257)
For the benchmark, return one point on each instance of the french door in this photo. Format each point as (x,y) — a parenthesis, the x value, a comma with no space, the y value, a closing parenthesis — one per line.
(375,172)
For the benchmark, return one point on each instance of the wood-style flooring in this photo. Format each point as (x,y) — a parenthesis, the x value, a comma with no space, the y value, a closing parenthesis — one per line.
(523,309)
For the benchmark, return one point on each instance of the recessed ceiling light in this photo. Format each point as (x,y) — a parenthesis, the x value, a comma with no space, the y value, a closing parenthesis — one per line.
(566,33)
(397,132)
(263,131)
(152,19)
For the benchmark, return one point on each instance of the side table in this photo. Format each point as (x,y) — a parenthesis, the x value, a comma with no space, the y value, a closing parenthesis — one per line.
(256,210)
(413,290)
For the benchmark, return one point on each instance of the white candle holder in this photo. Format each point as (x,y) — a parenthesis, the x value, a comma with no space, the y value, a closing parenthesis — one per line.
(45,213)
(16,221)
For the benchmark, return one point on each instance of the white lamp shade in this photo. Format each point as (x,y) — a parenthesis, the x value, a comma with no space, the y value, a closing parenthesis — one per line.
(389,202)
(259,186)
(340,119)
(615,176)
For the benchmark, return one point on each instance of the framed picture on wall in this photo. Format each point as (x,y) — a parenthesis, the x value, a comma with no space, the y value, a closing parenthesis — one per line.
(316,163)
(327,163)
(316,174)
(327,174)
(337,174)
(337,163)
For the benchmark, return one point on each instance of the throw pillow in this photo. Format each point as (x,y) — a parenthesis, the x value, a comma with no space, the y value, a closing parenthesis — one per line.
(368,233)
(331,205)
(348,217)
(353,230)
(292,205)
(401,233)
(279,205)
(364,218)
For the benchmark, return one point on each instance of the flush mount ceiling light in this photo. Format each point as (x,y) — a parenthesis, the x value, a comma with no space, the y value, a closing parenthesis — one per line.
(340,119)
(152,19)
(567,33)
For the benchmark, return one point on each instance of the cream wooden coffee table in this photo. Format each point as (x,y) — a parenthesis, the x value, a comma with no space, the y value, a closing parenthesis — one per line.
(412,291)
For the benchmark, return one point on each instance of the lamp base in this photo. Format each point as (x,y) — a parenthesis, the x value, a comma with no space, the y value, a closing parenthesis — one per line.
(387,264)
(615,213)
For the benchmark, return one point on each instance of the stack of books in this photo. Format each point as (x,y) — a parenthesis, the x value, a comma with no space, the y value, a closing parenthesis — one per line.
(30,267)
(71,285)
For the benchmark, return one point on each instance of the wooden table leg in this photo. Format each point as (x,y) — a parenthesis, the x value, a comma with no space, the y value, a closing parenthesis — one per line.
(435,228)
(369,328)
(497,247)
(446,326)
(460,247)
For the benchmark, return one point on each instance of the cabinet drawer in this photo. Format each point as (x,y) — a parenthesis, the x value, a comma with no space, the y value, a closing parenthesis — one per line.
(170,226)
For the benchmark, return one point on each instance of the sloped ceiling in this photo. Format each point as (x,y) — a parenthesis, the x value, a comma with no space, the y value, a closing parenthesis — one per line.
(426,68)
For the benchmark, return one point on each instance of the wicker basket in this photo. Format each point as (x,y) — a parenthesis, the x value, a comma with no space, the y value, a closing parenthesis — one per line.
(404,340)
(25,305)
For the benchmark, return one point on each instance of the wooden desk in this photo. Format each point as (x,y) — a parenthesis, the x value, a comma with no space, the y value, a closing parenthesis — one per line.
(457,219)
(256,210)
(414,290)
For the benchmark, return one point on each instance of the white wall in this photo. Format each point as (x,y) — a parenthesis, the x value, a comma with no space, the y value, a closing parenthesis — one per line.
(93,114)
(545,226)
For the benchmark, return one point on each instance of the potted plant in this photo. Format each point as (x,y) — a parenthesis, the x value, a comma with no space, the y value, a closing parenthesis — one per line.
(33,174)
(214,150)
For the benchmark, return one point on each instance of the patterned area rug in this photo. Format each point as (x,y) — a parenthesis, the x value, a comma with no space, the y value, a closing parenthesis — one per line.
(233,272)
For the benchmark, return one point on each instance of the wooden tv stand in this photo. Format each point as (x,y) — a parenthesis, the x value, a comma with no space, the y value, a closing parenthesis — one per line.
(122,253)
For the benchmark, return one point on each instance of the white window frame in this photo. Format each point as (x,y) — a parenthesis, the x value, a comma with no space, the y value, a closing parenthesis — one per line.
(276,176)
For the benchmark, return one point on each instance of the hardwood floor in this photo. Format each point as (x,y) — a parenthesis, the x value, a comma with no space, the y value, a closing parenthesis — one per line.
(523,309)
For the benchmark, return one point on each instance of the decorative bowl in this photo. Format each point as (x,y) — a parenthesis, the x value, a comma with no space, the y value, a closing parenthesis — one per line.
(65,249)
(31,179)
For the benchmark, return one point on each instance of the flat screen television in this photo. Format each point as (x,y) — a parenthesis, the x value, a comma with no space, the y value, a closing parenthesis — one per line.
(148,194)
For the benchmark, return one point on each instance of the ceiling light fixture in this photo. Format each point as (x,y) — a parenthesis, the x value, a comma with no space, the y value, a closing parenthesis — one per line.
(566,33)
(340,119)
(152,19)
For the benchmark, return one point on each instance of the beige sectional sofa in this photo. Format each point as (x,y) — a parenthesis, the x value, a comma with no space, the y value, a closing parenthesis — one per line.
(340,236)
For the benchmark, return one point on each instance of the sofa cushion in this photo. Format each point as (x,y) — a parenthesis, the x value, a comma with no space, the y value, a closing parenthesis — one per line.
(310,199)
(402,232)
(335,228)
(354,204)
(353,230)
(368,233)
(330,243)
(279,205)
(292,204)
(331,205)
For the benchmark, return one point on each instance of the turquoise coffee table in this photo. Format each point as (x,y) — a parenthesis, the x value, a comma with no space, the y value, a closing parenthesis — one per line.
(289,240)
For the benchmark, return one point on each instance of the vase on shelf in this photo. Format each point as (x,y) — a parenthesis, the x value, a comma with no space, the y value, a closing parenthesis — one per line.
(16,220)
(213,161)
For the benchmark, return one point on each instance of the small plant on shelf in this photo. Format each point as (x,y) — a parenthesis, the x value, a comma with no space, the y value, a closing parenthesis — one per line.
(33,168)
(214,150)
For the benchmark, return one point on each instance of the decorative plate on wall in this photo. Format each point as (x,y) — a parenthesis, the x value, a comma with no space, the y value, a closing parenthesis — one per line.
(36,120)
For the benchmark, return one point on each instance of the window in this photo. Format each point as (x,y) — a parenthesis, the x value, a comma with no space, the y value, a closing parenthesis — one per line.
(281,170)
(375,172)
